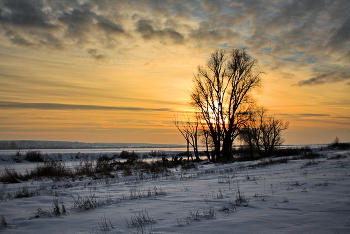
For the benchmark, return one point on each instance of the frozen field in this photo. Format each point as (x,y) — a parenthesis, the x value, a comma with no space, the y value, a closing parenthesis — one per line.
(300,196)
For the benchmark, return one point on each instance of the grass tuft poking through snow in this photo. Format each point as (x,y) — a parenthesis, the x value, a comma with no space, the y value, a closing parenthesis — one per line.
(4,223)
(139,219)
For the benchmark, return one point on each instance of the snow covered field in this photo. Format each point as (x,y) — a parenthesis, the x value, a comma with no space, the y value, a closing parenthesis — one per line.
(300,196)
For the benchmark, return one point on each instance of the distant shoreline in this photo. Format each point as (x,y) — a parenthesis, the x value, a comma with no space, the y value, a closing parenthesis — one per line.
(34,144)
(46,145)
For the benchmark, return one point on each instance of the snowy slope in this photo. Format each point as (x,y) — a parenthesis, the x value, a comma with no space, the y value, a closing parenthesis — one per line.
(301,196)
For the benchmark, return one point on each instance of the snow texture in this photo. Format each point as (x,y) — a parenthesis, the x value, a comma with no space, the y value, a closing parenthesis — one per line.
(301,196)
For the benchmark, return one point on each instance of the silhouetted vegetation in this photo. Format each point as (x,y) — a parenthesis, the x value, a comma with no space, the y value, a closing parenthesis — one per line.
(157,153)
(103,167)
(262,133)
(34,156)
(189,128)
(339,145)
(224,109)
(129,155)
(221,94)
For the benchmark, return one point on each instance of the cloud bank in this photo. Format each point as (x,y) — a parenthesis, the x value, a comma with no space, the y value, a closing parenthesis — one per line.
(331,77)
(303,31)
(60,106)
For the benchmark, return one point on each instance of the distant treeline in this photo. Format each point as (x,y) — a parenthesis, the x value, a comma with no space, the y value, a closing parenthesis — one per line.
(27,144)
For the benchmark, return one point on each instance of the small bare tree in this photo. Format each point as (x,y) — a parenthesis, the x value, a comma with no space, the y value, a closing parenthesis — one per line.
(262,133)
(189,130)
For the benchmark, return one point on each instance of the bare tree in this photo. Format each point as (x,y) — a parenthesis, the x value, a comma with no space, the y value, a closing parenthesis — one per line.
(271,134)
(262,133)
(221,95)
(250,134)
(189,130)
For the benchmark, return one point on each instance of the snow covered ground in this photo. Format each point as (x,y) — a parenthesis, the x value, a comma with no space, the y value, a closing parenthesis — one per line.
(301,196)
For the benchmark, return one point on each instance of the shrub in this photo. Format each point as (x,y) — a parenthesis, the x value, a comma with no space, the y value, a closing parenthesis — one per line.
(188,165)
(155,168)
(182,154)
(339,145)
(34,156)
(104,165)
(25,192)
(90,202)
(51,169)
(85,167)
(290,151)
(157,153)
(11,176)
(57,209)
(104,225)
(128,155)
(336,157)
(312,155)
(139,220)
(127,171)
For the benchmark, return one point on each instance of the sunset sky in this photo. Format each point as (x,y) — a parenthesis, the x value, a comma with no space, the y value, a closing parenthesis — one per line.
(119,71)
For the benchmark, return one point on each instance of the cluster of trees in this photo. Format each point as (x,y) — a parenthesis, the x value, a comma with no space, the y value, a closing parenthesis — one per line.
(224,109)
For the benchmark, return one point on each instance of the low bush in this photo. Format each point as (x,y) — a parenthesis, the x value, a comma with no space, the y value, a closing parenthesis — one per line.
(34,156)
(291,151)
(85,167)
(139,220)
(105,165)
(25,192)
(188,165)
(90,202)
(51,169)
(336,157)
(129,155)
(104,225)
(311,155)
(11,176)
(155,168)
(157,153)
(340,145)
(57,209)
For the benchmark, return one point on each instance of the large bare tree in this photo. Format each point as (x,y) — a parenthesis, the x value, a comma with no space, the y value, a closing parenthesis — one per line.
(221,95)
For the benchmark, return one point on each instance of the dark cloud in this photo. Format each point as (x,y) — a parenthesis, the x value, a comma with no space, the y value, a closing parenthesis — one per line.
(58,106)
(109,26)
(146,28)
(42,23)
(213,36)
(77,23)
(94,54)
(331,77)
(343,117)
(302,115)
(24,13)
(213,6)
(319,27)
(295,25)
(17,39)
(341,37)
(312,115)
